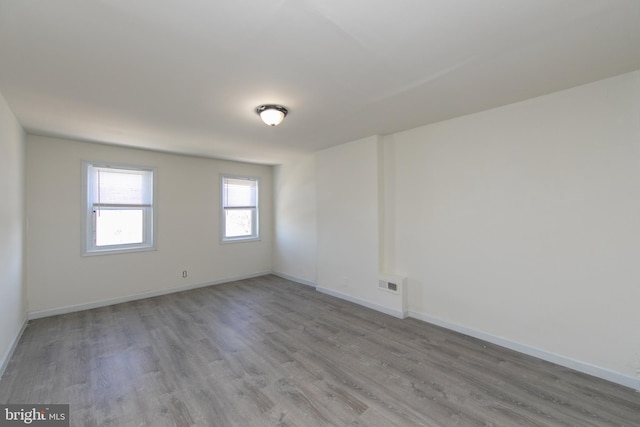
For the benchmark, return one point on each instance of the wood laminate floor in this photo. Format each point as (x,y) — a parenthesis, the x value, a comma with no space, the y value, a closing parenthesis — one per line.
(269,352)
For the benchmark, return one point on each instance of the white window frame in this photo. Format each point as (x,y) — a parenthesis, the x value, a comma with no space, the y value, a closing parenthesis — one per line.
(90,203)
(255,217)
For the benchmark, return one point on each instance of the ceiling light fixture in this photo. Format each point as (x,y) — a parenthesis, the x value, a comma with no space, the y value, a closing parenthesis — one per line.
(271,114)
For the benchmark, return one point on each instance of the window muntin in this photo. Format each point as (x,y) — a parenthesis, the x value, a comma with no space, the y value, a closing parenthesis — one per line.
(239,208)
(119,208)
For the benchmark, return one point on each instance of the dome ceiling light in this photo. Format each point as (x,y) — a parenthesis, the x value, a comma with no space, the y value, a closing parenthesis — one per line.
(272,114)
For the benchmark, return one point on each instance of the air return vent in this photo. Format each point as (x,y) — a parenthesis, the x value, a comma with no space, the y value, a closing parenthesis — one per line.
(388,286)
(391,283)
(395,288)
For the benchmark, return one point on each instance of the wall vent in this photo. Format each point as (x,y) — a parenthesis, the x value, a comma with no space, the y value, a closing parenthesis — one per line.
(392,283)
(388,286)
(395,287)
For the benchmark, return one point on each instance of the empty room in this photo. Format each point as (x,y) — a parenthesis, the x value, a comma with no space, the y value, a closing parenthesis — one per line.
(320,213)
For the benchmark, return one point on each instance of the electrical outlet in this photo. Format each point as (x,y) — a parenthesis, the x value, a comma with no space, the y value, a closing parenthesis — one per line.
(184,274)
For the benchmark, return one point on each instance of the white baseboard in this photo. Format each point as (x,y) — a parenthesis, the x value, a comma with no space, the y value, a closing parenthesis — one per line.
(577,365)
(7,355)
(386,310)
(567,362)
(294,279)
(127,298)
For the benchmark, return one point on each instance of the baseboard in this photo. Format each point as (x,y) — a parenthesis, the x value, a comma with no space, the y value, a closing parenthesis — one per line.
(567,362)
(294,279)
(7,355)
(386,310)
(127,298)
(577,365)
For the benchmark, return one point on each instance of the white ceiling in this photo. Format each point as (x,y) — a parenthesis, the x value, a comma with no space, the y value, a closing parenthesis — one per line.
(186,76)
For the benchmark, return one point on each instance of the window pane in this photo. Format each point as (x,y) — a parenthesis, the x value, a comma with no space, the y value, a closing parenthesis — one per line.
(239,192)
(238,222)
(123,186)
(119,226)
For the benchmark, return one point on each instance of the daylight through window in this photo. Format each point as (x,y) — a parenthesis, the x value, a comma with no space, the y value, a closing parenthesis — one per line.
(239,208)
(119,209)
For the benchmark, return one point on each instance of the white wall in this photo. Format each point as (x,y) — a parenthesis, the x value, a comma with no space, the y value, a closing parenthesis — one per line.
(522,223)
(347,202)
(12,291)
(294,252)
(519,225)
(188,228)
(349,224)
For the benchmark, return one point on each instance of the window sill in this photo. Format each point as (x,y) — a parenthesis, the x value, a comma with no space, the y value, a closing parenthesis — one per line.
(115,251)
(239,240)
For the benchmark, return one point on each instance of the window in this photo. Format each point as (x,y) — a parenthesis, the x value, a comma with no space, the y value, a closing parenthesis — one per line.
(239,208)
(119,209)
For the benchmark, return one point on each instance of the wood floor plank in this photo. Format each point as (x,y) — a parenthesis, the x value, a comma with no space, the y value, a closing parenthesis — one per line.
(268,352)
